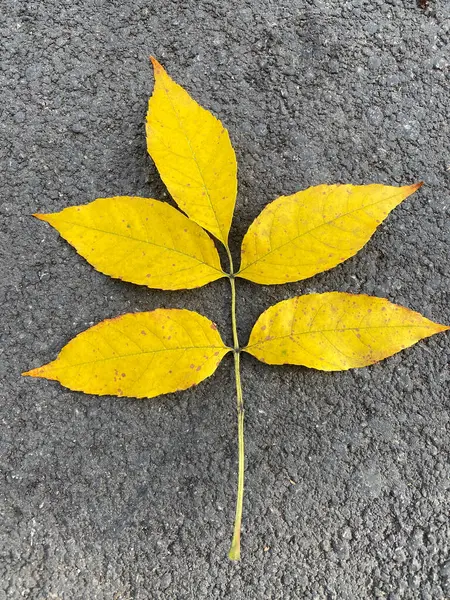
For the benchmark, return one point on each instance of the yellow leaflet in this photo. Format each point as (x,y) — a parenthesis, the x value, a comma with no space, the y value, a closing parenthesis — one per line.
(336,331)
(140,240)
(193,154)
(312,231)
(139,355)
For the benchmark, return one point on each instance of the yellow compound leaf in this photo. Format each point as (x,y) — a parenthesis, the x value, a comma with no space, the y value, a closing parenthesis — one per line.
(193,154)
(140,240)
(139,355)
(314,230)
(336,331)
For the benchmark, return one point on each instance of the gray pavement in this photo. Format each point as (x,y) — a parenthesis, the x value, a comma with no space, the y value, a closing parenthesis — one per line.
(347,480)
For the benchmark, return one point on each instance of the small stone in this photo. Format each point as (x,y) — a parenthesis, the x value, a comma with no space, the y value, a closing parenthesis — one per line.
(166,580)
(32,72)
(375,115)
(441,63)
(374,63)
(416,539)
(411,129)
(341,549)
(445,569)
(400,555)
(392,80)
(347,533)
(371,27)
(333,66)
(261,129)
(77,128)
(19,117)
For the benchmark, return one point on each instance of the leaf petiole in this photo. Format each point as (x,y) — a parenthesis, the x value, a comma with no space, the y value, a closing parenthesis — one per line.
(235,550)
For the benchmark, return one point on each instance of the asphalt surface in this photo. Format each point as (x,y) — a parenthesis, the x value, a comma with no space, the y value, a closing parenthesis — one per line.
(347,479)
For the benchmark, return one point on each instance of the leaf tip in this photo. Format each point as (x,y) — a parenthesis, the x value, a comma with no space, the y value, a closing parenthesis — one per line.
(39,372)
(41,217)
(32,373)
(415,186)
(157,67)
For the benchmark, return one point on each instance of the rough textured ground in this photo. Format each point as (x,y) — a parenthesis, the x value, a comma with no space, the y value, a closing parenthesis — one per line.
(348,474)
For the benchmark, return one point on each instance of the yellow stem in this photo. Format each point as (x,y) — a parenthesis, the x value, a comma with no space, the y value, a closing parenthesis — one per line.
(235,550)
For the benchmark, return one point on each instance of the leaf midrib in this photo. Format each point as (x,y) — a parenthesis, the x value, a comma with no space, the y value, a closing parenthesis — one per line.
(129,237)
(194,156)
(314,331)
(90,362)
